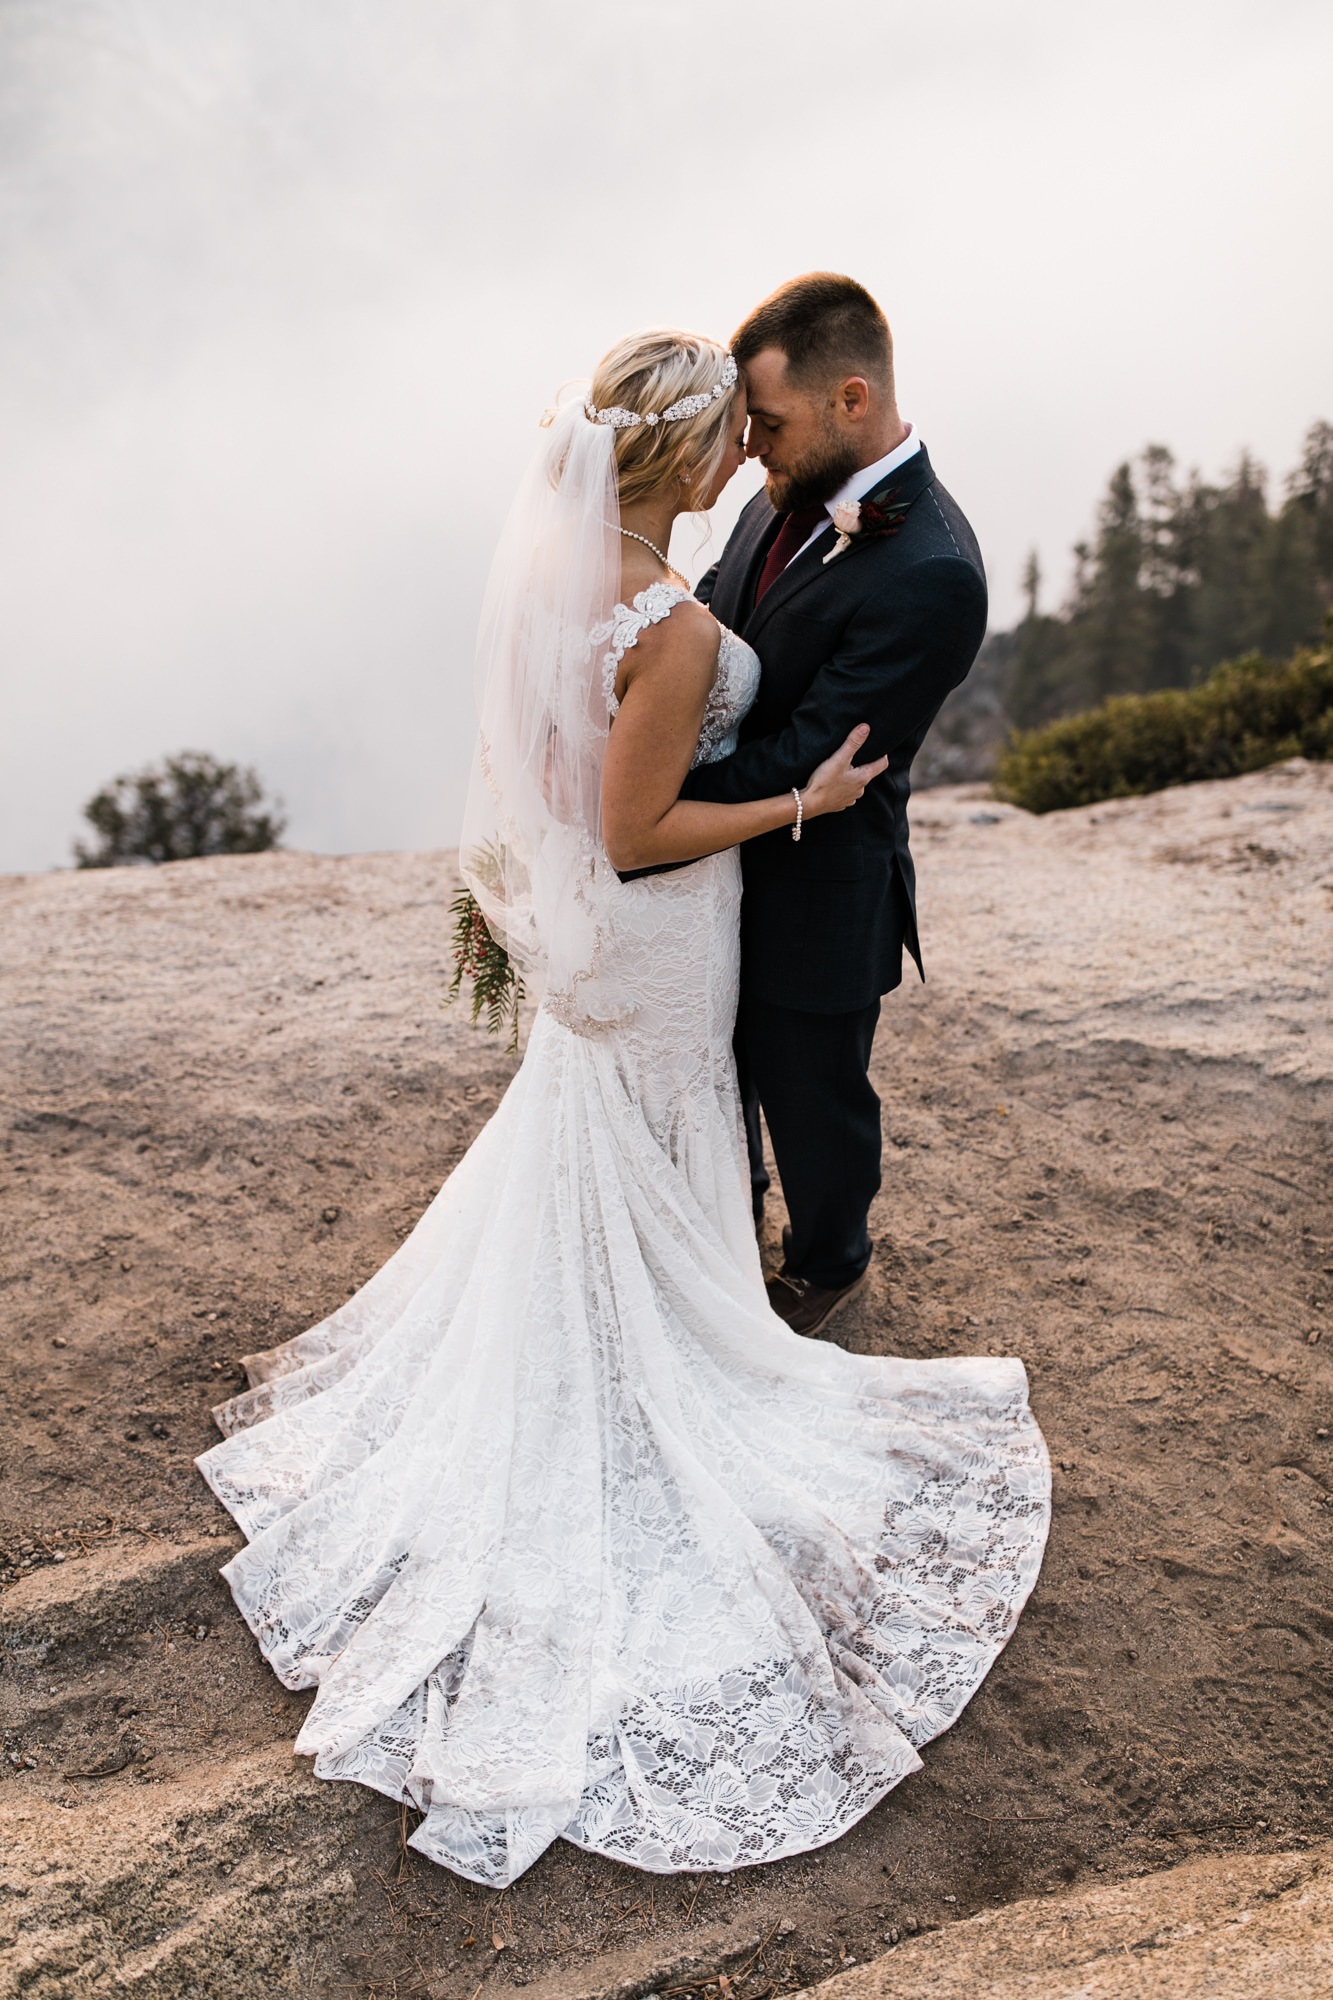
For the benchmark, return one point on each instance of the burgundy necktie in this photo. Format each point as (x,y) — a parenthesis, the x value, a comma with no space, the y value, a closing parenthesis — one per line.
(793,535)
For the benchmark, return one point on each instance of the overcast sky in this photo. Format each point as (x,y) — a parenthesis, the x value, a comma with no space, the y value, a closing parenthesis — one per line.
(287,283)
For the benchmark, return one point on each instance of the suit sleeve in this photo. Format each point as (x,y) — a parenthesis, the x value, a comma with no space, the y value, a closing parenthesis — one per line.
(703,589)
(897,659)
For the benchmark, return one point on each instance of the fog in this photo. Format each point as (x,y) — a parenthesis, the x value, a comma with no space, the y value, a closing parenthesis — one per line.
(287,283)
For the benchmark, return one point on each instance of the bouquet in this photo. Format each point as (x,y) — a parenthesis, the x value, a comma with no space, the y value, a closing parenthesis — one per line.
(497,987)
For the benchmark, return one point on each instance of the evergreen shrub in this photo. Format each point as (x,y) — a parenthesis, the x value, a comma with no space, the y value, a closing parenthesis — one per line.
(1249,713)
(189,807)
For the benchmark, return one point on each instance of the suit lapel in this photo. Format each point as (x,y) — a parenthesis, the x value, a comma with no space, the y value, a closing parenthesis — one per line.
(908,483)
(744,558)
(803,569)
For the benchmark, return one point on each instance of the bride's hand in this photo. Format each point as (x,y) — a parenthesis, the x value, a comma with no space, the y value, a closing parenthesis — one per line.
(838,783)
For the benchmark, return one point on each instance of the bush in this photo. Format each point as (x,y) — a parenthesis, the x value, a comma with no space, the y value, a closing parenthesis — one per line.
(1247,714)
(190,807)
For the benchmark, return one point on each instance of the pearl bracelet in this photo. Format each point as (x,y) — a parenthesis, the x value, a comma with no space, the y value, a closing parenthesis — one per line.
(800,809)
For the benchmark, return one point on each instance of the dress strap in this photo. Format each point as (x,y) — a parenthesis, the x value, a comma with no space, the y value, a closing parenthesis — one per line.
(625,624)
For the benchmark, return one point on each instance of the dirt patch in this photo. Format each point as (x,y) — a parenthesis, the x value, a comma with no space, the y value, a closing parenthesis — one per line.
(1248,1927)
(229,1091)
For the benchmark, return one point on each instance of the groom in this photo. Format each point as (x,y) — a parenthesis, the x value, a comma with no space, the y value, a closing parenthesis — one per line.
(874,625)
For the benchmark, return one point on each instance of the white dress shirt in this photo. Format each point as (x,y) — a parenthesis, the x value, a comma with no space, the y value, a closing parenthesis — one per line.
(865,481)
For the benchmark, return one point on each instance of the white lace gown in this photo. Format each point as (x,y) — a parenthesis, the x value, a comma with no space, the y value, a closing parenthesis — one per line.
(572,1534)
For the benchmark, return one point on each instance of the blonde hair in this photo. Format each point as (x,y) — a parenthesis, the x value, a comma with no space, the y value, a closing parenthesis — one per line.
(648,372)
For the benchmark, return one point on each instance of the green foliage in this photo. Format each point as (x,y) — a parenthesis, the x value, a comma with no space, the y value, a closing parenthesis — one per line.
(189,807)
(1180,577)
(1247,714)
(496,986)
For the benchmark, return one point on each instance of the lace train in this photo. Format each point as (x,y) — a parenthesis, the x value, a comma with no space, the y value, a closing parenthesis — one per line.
(575,1537)
(570,1532)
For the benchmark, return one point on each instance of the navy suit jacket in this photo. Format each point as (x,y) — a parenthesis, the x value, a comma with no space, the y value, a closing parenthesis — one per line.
(880,634)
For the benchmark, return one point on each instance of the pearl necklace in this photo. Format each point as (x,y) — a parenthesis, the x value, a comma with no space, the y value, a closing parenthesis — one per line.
(656,551)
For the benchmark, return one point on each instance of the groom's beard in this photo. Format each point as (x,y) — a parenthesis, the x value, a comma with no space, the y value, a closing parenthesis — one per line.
(814,478)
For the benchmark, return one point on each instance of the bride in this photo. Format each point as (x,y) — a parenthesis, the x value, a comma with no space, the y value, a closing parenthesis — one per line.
(573,1535)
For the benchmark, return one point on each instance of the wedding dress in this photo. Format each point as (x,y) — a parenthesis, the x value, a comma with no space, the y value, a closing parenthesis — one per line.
(573,1535)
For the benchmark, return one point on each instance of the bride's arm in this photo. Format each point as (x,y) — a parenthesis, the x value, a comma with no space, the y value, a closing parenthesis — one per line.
(667,678)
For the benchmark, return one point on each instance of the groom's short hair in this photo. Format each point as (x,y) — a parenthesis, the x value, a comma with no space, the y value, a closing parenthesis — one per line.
(828,326)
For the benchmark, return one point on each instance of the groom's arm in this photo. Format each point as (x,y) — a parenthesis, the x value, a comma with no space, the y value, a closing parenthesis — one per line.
(703,589)
(900,655)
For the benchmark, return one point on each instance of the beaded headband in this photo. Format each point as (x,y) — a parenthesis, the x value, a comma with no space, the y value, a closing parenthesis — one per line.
(688,406)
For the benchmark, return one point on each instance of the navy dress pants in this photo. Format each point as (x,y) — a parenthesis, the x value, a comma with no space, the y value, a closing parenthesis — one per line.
(809,1072)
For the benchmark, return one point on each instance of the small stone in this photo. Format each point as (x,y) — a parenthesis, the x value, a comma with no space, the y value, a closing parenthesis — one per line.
(59,1341)
(132,1437)
(332,1214)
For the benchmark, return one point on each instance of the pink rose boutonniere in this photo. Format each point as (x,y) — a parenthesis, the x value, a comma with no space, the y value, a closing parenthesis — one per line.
(867,519)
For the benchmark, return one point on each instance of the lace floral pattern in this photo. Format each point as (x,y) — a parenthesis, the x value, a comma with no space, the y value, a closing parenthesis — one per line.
(732,691)
(572,1535)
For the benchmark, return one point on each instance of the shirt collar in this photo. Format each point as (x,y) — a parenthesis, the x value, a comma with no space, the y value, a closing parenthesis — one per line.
(868,478)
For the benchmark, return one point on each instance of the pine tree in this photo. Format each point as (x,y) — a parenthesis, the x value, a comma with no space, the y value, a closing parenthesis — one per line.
(1110,625)
(1036,682)
(1311,490)
(1232,599)
(1179,578)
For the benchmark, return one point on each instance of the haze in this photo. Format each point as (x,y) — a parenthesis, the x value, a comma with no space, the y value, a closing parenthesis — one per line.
(286,287)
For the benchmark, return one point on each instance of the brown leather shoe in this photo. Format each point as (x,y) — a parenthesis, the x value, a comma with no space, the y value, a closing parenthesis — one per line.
(805,1307)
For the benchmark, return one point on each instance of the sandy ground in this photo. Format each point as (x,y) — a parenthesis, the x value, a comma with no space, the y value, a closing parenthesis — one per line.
(1254,1927)
(228,1090)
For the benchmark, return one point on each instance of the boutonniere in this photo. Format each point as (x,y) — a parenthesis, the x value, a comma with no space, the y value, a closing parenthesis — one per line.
(866,518)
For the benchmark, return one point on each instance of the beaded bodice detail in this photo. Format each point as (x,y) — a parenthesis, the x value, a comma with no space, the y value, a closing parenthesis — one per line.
(733,691)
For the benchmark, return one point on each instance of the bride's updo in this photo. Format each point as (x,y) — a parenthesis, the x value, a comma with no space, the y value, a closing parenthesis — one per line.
(647,373)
